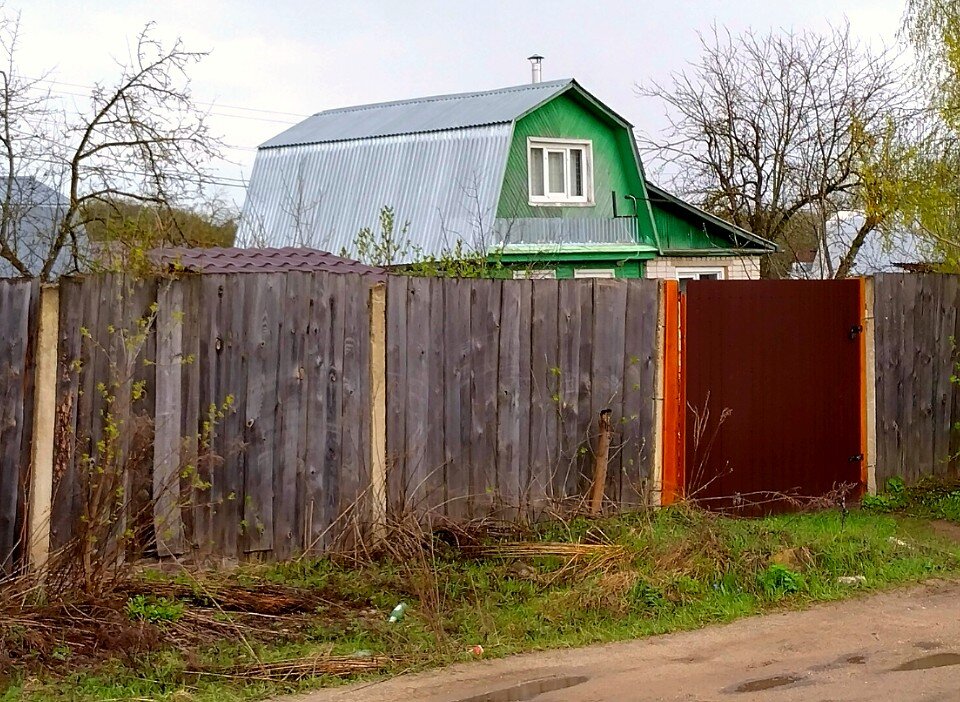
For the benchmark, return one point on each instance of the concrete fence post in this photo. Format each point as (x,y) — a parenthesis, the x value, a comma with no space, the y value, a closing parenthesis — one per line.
(44,420)
(378,409)
(656,491)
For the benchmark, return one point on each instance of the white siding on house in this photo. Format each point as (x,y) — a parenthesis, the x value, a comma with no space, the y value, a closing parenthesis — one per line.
(734,267)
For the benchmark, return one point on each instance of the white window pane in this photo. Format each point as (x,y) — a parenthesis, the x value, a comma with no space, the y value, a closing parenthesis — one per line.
(535,274)
(536,172)
(555,171)
(594,273)
(576,172)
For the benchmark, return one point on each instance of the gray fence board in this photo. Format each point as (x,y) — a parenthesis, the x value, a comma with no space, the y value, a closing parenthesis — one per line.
(639,390)
(18,320)
(457,396)
(542,370)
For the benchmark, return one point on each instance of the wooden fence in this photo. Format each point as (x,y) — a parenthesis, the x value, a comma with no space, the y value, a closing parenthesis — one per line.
(495,387)
(917,405)
(264,415)
(238,403)
(18,308)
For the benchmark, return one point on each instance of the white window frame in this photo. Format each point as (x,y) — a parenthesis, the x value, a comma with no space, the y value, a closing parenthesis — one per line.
(594,273)
(535,274)
(697,272)
(565,199)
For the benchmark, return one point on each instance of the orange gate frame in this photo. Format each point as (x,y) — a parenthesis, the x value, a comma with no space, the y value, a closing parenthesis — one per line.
(674,394)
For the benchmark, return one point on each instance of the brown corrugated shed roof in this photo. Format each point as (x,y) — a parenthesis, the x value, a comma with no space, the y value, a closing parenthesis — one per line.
(236,260)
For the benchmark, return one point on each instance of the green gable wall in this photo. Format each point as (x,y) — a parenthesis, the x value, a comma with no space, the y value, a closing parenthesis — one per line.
(614,165)
(679,232)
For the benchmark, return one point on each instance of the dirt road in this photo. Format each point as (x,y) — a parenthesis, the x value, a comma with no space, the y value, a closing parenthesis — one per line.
(896,646)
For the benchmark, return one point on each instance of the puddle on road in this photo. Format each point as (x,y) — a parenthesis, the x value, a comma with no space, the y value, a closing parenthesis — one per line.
(849,659)
(768,683)
(528,690)
(937,660)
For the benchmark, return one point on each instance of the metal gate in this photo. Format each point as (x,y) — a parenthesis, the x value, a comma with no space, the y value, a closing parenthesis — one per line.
(774,387)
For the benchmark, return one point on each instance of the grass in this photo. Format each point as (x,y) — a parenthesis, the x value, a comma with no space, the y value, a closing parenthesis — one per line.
(674,569)
(930,498)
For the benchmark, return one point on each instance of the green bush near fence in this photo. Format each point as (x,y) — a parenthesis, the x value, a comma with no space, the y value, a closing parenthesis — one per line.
(930,498)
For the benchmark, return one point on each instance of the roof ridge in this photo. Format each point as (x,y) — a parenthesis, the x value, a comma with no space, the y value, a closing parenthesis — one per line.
(448,96)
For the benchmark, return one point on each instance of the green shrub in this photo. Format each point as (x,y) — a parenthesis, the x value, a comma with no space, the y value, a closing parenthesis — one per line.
(155,610)
(894,498)
(777,580)
(948,507)
(646,596)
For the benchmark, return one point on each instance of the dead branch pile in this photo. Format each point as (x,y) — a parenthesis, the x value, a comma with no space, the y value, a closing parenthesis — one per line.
(89,629)
(581,559)
(37,632)
(262,599)
(295,669)
(537,549)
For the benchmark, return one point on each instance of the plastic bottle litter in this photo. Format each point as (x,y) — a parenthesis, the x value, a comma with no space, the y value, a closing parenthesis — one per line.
(397,613)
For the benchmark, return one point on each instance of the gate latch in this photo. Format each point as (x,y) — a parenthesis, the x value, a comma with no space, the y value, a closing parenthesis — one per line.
(858,458)
(856,329)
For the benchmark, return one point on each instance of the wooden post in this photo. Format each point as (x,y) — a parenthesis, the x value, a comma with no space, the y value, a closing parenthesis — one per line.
(600,462)
(44,415)
(869,361)
(378,409)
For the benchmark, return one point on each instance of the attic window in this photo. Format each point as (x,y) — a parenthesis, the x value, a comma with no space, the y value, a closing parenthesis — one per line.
(561,171)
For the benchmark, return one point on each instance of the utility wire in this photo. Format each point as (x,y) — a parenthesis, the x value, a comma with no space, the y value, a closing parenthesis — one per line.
(196,102)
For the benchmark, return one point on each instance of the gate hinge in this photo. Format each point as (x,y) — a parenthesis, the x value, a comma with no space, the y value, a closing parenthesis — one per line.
(858,458)
(856,329)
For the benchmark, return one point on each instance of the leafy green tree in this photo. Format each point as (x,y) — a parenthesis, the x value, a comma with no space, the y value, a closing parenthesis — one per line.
(933,28)
(391,247)
(123,232)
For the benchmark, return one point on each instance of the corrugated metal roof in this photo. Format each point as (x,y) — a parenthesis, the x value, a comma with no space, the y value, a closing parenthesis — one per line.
(265,260)
(556,230)
(444,183)
(428,114)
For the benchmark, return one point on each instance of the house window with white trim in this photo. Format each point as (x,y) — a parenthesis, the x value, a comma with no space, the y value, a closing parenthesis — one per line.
(700,274)
(594,273)
(535,274)
(560,171)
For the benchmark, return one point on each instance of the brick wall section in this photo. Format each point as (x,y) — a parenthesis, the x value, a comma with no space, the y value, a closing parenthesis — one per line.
(734,267)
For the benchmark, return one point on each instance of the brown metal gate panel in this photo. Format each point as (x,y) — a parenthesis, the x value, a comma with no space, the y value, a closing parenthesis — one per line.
(780,363)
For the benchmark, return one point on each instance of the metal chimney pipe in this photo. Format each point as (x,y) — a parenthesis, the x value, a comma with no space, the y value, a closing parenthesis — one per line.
(536,62)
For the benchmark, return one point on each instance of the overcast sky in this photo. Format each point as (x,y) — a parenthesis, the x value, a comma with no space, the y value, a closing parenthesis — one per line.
(271,63)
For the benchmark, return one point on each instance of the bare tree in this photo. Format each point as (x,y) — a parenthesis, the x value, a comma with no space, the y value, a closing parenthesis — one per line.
(766,128)
(140,139)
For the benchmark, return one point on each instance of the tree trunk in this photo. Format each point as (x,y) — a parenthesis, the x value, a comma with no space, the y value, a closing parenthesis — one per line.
(850,257)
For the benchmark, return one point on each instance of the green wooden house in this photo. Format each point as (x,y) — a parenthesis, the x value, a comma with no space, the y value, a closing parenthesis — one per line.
(543,177)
